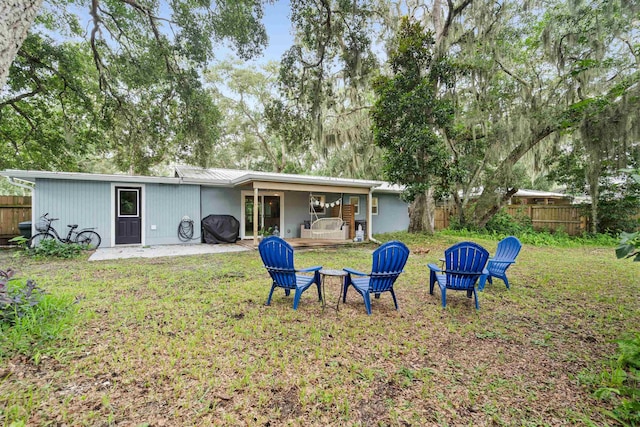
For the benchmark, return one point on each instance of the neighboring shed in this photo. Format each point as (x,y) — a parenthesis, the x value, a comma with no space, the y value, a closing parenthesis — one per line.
(536,197)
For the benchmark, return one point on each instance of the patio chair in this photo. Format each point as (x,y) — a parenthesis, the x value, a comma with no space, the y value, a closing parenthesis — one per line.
(506,253)
(464,264)
(277,256)
(388,262)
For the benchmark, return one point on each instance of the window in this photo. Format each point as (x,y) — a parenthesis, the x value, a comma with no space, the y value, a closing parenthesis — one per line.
(374,206)
(355,201)
(128,202)
(316,205)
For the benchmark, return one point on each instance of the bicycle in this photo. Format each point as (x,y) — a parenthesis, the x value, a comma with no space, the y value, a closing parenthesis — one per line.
(85,237)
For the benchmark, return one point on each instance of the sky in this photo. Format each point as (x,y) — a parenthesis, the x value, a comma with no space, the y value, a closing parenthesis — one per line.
(276,21)
(278,25)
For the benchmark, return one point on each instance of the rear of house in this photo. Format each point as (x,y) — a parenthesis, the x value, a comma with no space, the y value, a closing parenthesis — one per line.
(136,210)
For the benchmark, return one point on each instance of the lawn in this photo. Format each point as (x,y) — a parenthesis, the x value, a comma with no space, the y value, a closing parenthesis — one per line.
(189,341)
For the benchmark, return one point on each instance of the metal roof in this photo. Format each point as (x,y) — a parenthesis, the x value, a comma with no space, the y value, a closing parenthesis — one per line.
(538,193)
(240,177)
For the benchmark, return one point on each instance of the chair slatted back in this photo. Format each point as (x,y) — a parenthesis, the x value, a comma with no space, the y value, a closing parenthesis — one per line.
(506,252)
(277,257)
(464,263)
(388,262)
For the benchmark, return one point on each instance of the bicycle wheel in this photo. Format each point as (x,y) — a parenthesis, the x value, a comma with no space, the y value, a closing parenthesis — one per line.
(37,238)
(90,239)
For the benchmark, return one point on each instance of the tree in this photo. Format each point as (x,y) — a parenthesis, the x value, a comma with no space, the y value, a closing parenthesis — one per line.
(16,17)
(525,77)
(615,197)
(542,75)
(143,99)
(255,130)
(407,118)
(325,80)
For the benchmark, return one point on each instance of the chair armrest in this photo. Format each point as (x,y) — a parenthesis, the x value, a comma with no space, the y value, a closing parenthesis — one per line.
(310,269)
(355,272)
(434,267)
(502,261)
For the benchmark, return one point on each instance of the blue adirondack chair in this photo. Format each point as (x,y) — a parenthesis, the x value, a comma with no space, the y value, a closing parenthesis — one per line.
(464,265)
(277,256)
(388,262)
(506,253)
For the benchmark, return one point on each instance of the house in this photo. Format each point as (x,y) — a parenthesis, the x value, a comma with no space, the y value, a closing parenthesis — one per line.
(145,210)
(537,197)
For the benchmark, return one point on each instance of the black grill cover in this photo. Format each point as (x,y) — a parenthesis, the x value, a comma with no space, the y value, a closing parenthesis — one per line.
(220,229)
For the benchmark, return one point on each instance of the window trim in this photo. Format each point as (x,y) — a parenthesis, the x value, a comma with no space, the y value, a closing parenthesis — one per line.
(374,206)
(356,209)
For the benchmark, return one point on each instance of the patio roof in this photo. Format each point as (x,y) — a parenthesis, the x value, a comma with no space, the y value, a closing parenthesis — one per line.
(280,181)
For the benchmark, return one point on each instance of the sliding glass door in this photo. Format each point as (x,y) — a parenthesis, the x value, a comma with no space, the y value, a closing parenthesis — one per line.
(268,213)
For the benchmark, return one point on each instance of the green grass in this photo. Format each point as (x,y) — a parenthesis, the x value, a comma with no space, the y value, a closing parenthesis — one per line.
(189,341)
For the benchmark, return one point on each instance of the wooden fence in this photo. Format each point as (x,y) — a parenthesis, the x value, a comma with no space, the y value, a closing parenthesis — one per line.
(13,210)
(543,217)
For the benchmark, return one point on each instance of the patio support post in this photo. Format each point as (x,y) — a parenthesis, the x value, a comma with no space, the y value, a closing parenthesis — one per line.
(255,216)
(370,214)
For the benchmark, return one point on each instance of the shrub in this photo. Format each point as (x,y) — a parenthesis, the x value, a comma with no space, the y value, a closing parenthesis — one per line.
(503,223)
(32,322)
(16,300)
(51,248)
(629,246)
(623,383)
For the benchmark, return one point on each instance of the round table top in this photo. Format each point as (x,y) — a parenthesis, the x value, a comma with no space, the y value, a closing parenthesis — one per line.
(329,272)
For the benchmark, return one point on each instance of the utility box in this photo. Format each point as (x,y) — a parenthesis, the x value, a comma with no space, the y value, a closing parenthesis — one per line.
(25,229)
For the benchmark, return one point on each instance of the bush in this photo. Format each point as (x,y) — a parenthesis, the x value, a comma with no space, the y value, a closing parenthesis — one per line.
(51,248)
(503,223)
(629,246)
(31,321)
(538,238)
(622,384)
(17,299)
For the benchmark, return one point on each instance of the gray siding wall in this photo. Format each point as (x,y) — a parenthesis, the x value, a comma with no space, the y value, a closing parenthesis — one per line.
(393,214)
(86,203)
(221,201)
(89,204)
(296,212)
(166,204)
(228,201)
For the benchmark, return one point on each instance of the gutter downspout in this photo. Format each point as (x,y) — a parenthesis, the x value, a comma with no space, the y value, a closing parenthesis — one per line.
(17,184)
(370,217)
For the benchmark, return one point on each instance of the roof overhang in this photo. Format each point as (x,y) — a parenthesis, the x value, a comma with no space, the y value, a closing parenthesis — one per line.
(274,181)
(32,176)
(318,188)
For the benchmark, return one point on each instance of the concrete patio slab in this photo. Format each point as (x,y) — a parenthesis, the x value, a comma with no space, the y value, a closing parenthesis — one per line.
(122,252)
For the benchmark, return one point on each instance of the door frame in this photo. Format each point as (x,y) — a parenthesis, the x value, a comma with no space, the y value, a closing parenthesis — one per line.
(261,194)
(114,196)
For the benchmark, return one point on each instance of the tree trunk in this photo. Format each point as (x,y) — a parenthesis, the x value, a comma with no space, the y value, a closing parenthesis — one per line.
(593,176)
(16,16)
(422,213)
